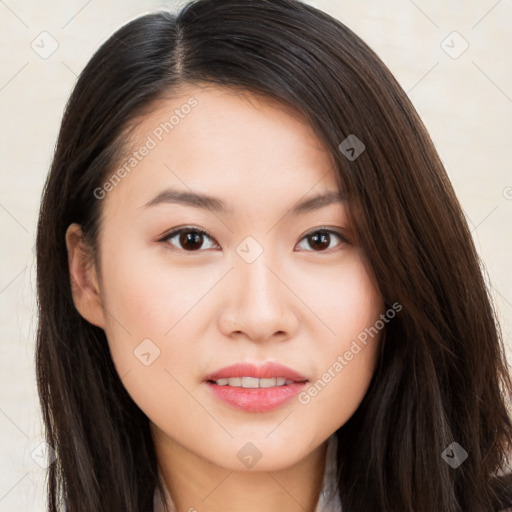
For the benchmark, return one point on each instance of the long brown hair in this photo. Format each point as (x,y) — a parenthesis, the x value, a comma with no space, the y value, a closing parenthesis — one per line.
(441,375)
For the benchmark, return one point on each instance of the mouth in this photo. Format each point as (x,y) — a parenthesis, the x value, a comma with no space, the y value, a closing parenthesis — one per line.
(254,382)
(251,375)
(254,388)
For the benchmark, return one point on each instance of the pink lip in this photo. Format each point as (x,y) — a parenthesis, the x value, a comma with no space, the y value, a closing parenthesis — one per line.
(257,399)
(268,370)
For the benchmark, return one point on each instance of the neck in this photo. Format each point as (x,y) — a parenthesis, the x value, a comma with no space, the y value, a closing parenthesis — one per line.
(198,485)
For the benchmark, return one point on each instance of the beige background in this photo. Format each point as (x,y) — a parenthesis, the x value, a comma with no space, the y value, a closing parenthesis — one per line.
(465,102)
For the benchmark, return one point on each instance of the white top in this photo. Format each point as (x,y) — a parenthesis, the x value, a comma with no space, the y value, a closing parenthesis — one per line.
(328,501)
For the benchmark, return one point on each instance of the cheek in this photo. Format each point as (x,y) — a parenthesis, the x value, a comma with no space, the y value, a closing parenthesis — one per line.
(148,294)
(150,305)
(144,302)
(345,301)
(351,306)
(339,390)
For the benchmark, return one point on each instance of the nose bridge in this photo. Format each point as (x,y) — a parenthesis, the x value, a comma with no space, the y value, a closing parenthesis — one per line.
(259,287)
(260,303)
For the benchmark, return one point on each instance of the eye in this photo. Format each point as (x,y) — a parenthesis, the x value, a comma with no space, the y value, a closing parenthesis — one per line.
(321,239)
(191,239)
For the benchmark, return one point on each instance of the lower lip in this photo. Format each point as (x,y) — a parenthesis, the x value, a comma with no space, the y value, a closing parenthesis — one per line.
(257,399)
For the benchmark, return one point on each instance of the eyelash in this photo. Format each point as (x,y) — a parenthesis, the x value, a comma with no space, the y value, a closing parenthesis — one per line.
(192,229)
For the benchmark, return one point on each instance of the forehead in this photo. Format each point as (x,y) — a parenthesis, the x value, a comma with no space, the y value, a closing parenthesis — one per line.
(223,141)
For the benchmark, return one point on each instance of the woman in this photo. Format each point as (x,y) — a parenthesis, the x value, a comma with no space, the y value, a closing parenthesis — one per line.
(257,288)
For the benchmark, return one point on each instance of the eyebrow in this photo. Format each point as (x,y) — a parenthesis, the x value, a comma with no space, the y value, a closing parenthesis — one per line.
(196,200)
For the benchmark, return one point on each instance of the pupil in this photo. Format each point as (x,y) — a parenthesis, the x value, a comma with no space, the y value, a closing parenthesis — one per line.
(320,240)
(191,237)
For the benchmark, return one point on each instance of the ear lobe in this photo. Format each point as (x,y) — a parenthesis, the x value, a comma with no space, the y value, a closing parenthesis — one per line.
(83,278)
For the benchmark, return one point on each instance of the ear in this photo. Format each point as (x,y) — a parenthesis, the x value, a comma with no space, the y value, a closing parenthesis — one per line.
(84,281)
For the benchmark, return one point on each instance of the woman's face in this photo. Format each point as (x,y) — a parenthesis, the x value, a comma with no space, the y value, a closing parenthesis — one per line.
(270,281)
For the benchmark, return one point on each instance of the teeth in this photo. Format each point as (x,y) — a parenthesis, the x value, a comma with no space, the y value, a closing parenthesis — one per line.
(250,382)
(253,382)
(267,383)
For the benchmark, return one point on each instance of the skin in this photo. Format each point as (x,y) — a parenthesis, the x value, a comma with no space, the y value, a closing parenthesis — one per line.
(204,309)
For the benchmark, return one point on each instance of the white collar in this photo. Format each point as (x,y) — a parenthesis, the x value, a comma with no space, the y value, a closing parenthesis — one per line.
(328,501)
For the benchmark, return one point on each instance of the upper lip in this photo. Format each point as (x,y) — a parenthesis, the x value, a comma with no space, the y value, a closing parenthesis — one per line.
(268,370)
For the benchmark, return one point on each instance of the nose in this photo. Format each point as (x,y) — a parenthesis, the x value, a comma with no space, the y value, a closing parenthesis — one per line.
(260,306)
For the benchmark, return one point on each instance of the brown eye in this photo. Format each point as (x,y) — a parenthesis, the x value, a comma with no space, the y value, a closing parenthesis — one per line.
(188,239)
(193,239)
(321,240)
